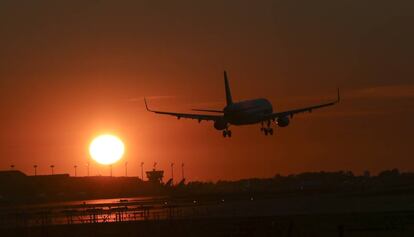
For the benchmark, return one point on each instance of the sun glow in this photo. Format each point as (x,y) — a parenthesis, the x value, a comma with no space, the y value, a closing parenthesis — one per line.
(106,149)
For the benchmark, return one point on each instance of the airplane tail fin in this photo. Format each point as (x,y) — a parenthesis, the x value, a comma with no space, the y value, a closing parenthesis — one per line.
(229,100)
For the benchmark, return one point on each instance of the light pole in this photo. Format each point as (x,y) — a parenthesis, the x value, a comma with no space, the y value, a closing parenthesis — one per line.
(142,171)
(182,170)
(35,170)
(12,167)
(126,169)
(52,167)
(172,173)
(87,169)
(75,166)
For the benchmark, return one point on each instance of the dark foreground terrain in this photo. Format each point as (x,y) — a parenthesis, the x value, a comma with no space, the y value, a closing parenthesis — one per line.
(308,204)
(309,214)
(357,224)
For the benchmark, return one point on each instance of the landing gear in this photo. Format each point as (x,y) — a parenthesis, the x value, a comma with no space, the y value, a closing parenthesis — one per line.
(271,131)
(267,130)
(226,133)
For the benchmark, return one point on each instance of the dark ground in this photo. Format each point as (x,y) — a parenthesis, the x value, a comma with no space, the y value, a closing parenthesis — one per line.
(298,215)
(308,204)
(373,224)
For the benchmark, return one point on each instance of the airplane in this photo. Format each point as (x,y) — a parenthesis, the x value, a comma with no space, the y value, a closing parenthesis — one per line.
(245,112)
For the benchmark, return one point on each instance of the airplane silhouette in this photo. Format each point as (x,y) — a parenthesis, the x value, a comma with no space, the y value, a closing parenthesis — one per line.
(245,112)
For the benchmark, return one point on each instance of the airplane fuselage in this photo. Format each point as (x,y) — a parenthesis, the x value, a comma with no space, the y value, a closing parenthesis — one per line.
(247,112)
(244,113)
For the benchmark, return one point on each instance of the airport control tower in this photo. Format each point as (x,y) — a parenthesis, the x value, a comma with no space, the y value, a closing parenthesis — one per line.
(155,176)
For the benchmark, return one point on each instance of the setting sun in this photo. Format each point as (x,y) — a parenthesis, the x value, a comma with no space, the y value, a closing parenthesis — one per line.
(106,149)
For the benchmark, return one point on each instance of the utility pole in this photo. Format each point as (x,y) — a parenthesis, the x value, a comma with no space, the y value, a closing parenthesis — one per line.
(75,166)
(142,171)
(52,167)
(110,167)
(35,170)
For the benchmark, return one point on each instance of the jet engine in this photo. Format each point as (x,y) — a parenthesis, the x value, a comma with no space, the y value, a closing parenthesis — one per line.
(220,124)
(283,121)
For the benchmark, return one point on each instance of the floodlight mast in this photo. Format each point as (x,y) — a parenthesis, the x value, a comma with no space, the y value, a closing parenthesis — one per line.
(182,170)
(126,169)
(87,169)
(142,171)
(172,173)
(35,169)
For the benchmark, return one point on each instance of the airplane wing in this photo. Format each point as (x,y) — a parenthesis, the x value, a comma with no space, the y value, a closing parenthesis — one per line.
(309,109)
(199,117)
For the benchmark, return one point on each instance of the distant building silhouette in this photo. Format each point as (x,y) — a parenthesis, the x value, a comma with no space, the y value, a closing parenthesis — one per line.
(11,175)
(17,187)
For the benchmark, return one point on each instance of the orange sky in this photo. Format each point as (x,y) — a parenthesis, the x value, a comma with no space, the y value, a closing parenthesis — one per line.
(72,69)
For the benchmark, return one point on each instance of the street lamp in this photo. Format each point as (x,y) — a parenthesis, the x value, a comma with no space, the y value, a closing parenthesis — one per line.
(142,171)
(172,173)
(87,168)
(126,169)
(182,170)
(35,169)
